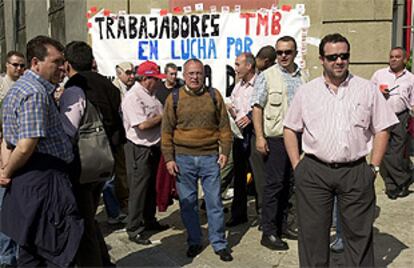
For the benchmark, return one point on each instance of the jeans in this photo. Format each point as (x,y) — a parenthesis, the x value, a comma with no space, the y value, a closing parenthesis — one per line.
(337,222)
(8,248)
(207,169)
(112,206)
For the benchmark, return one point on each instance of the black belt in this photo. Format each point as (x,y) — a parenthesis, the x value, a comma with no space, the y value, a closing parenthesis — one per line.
(402,112)
(157,146)
(337,165)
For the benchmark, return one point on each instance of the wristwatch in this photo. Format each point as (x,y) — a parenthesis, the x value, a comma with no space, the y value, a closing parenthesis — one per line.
(375,169)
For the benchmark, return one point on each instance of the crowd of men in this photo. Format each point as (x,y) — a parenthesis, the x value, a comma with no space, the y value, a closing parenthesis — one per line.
(302,140)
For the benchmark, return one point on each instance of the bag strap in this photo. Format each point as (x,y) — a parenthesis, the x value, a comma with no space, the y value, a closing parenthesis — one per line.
(176,95)
(91,119)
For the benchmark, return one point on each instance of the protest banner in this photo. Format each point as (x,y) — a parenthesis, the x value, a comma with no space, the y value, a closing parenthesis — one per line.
(215,38)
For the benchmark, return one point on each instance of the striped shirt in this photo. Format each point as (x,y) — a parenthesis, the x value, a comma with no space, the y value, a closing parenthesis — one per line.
(240,98)
(338,128)
(30,112)
(401,86)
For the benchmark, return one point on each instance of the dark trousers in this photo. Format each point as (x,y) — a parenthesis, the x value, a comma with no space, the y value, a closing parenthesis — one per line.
(258,169)
(241,152)
(276,187)
(92,249)
(121,184)
(227,175)
(142,164)
(394,168)
(316,186)
(29,258)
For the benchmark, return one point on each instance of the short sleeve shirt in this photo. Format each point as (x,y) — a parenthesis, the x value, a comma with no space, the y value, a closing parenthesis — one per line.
(138,106)
(401,87)
(30,112)
(338,127)
(240,98)
(260,94)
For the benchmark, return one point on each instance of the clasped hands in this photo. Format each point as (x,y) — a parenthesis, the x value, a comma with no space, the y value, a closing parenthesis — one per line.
(4,180)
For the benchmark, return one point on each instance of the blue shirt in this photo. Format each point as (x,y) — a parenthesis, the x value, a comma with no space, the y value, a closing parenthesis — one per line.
(30,112)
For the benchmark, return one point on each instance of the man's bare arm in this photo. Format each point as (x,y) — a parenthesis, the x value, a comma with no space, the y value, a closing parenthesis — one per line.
(5,153)
(150,123)
(19,156)
(379,147)
(261,143)
(291,144)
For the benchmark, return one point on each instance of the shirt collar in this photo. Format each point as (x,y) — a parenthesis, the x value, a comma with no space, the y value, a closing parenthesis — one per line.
(122,86)
(8,79)
(145,90)
(198,92)
(249,83)
(401,74)
(345,83)
(48,86)
(295,72)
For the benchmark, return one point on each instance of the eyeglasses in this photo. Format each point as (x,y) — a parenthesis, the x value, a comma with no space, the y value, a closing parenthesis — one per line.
(334,57)
(286,52)
(16,65)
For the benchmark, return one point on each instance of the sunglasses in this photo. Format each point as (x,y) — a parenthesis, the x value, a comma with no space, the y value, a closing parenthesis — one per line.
(334,57)
(15,65)
(286,52)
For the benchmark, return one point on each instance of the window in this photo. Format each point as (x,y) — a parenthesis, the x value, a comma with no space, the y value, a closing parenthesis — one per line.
(57,20)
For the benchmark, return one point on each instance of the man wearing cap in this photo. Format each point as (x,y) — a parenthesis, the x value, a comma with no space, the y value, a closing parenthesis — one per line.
(125,77)
(142,114)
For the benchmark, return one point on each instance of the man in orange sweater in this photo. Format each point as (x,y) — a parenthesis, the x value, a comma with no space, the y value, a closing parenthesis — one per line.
(193,128)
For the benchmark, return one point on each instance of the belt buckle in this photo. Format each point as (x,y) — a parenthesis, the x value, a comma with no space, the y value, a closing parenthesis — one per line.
(335,165)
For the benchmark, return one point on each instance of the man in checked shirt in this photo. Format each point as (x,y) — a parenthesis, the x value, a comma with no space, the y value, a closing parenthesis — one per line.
(274,90)
(339,114)
(39,210)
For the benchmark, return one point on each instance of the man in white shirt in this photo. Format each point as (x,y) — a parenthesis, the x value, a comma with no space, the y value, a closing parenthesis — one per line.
(397,85)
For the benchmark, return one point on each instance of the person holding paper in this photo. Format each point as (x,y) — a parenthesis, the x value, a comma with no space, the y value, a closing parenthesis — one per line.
(397,85)
(240,110)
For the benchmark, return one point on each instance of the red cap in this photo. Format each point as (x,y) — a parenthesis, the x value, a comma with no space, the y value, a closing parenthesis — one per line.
(150,68)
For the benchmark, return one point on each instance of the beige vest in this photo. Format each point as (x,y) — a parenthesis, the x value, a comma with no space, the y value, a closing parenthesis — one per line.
(277,102)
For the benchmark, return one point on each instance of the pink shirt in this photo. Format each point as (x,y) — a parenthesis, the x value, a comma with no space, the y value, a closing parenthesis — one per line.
(240,98)
(139,105)
(338,128)
(402,96)
(72,106)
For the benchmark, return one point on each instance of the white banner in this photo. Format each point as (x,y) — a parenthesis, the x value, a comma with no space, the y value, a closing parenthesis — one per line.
(214,38)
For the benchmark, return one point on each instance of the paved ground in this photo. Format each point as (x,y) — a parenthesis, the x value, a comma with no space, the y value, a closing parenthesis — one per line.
(394,241)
